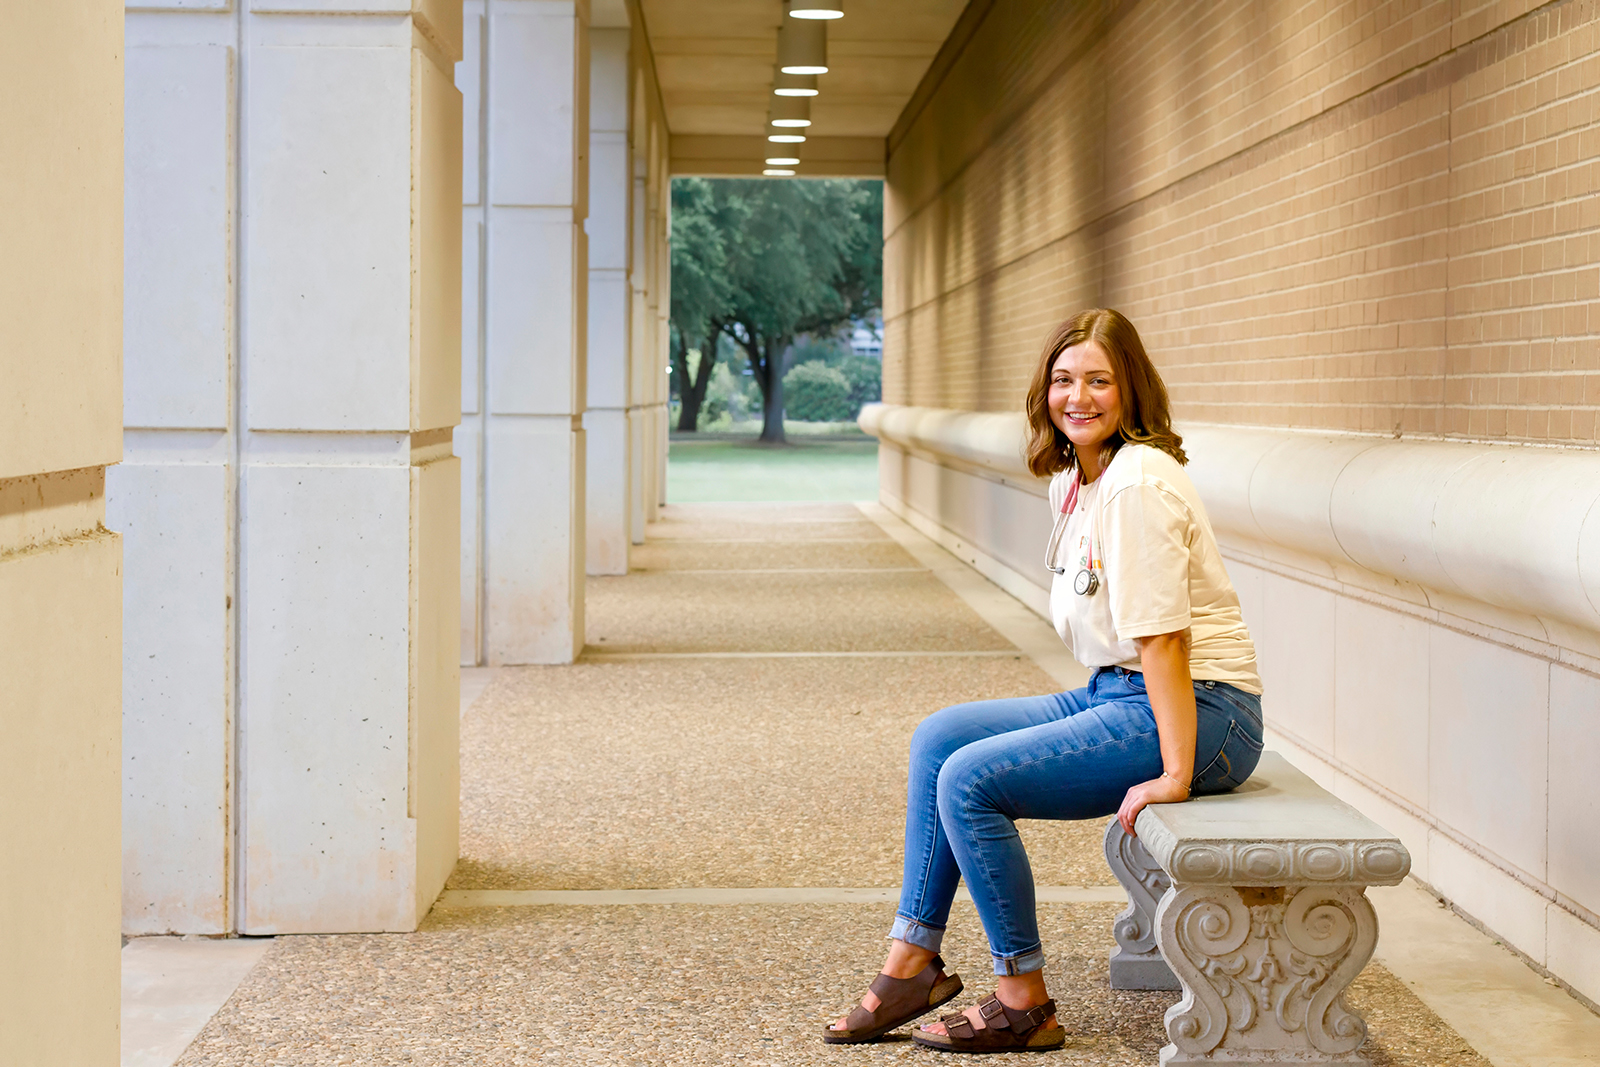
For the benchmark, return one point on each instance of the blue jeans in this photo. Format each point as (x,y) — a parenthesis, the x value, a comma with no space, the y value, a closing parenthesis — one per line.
(976,768)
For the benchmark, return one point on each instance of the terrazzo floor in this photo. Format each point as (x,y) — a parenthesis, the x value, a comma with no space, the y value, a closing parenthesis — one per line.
(712,772)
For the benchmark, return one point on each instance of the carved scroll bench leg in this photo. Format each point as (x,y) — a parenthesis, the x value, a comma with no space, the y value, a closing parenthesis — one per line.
(1264,973)
(1136,962)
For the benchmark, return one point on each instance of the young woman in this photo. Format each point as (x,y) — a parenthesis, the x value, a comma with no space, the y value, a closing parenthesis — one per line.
(1173,704)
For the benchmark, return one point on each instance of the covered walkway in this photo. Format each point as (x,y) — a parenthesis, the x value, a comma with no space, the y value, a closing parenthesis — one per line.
(680,849)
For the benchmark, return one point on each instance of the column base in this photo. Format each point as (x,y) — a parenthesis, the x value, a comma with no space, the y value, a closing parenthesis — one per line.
(1171,1055)
(1130,970)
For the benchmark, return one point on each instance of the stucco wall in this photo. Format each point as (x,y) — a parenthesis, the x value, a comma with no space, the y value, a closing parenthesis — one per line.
(1344,223)
(60,568)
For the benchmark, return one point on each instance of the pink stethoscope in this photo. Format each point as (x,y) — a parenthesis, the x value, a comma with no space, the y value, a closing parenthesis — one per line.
(1087,581)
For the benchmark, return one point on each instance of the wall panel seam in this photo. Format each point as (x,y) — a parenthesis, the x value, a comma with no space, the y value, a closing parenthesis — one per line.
(1433,823)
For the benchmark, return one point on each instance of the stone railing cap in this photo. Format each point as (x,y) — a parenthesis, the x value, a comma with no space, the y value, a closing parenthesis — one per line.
(1279,828)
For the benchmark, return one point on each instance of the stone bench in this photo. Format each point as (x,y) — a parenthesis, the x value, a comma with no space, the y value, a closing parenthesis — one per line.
(1254,904)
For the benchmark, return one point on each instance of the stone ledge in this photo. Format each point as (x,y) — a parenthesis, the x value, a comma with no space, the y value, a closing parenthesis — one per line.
(1514,527)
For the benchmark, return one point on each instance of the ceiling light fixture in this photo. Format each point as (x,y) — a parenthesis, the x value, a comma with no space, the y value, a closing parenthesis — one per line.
(775,172)
(782,161)
(816,9)
(803,46)
(793,84)
(780,136)
(790,112)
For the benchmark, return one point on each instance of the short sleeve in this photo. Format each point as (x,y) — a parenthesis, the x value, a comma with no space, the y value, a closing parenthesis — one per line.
(1058,493)
(1146,561)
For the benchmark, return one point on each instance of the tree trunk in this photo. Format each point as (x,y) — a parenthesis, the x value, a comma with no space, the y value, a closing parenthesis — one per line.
(689,411)
(694,393)
(772,396)
(766,366)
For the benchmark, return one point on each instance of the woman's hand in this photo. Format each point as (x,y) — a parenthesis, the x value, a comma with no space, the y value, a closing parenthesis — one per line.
(1161,790)
(1165,659)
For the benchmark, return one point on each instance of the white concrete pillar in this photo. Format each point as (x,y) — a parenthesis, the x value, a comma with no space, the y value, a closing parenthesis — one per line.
(610,470)
(60,568)
(290,497)
(469,441)
(648,274)
(526,434)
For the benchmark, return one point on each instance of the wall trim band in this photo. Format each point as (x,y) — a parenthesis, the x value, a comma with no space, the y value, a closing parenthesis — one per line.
(1455,524)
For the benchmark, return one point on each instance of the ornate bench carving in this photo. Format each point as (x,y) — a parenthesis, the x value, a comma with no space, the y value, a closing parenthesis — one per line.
(1254,904)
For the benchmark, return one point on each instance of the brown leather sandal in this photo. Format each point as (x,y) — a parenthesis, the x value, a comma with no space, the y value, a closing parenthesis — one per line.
(901,1000)
(1004,1030)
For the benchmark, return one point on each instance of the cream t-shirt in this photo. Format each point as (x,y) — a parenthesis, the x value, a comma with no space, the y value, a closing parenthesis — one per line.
(1141,527)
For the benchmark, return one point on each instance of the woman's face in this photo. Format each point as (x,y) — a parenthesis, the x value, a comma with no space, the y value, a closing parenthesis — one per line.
(1084,401)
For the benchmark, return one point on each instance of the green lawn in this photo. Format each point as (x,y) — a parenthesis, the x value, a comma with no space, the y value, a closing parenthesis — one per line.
(807,468)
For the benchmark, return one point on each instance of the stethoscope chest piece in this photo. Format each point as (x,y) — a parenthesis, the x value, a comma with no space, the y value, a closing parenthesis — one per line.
(1086,582)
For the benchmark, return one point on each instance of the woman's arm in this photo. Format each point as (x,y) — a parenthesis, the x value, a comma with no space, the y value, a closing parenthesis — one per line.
(1165,659)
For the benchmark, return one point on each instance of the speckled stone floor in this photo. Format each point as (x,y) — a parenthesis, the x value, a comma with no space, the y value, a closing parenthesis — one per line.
(680,773)
(869,610)
(728,773)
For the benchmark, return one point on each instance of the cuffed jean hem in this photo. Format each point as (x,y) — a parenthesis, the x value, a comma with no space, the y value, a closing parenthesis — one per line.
(1026,963)
(914,933)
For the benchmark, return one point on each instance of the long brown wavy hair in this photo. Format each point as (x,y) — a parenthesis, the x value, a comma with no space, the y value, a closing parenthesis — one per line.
(1146,413)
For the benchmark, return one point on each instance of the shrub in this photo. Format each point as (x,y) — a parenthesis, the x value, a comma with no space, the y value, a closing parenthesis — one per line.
(866,381)
(814,392)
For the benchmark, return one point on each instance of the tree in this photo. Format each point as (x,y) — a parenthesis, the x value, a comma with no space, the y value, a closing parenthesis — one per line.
(763,261)
(701,290)
(806,260)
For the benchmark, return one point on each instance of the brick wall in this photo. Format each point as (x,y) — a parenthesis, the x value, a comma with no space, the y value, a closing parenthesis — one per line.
(1365,216)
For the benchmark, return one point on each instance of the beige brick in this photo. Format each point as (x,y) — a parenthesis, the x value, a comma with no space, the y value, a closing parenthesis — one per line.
(1399,260)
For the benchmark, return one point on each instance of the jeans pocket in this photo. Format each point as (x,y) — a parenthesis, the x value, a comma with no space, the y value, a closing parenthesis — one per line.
(1233,764)
(1247,703)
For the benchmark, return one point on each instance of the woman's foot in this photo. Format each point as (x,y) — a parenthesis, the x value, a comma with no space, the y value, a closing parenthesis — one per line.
(1019,992)
(896,997)
(904,961)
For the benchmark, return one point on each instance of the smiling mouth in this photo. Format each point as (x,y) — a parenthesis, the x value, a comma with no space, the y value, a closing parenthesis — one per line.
(1082,416)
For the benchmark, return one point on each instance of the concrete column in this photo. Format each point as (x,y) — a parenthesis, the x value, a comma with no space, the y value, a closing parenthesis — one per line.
(469,438)
(610,470)
(648,274)
(290,497)
(60,568)
(533,279)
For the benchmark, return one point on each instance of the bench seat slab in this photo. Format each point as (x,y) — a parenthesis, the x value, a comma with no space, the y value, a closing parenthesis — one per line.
(1279,828)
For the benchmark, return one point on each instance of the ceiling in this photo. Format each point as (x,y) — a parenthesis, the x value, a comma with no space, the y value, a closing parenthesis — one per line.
(714,60)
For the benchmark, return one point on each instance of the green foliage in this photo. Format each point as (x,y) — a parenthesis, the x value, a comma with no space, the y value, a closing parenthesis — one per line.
(765,261)
(808,255)
(725,394)
(816,392)
(700,281)
(829,350)
(865,376)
